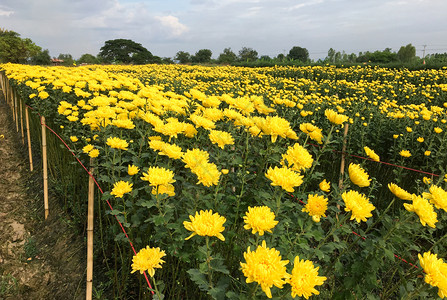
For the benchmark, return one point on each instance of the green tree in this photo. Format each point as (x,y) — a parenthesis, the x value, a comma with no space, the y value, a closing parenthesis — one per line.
(298,53)
(281,57)
(406,53)
(227,56)
(88,59)
(125,51)
(15,49)
(67,58)
(43,58)
(183,57)
(248,54)
(202,56)
(331,55)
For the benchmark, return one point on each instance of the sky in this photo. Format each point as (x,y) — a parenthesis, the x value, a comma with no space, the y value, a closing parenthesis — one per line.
(270,27)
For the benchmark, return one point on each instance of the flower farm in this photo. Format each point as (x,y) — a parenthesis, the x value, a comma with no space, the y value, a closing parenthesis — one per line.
(249,183)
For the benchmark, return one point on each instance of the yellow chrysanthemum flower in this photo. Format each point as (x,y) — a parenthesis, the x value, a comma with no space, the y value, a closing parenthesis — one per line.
(335,117)
(371,154)
(117,143)
(158,176)
(305,278)
(297,158)
(409,129)
(94,153)
(285,178)
(167,189)
(126,124)
(358,204)
(312,131)
(316,207)
(259,219)
(202,122)
(420,139)
(207,173)
(73,139)
(325,186)
(120,188)
(276,126)
(43,95)
(195,157)
(88,148)
(424,210)
(399,192)
(147,259)
(172,151)
(358,175)
(221,138)
(405,153)
(426,180)
(435,270)
(427,153)
(437,130)
(264,266)
(395,136)
(132,170)
(205,223)
(438,197)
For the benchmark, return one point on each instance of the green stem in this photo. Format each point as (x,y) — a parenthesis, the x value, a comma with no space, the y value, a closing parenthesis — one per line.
(278,201)
(157,292)
(208,262)
(331,233)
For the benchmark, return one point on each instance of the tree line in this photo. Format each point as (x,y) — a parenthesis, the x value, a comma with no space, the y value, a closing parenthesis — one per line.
(15,49)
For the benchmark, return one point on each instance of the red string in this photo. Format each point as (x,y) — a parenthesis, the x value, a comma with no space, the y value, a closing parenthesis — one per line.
(97,184)
(381,162)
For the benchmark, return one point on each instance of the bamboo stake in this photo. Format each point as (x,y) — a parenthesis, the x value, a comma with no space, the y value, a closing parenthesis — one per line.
(11,102)
(30,154)
(21,122)
(91,198)
(45,167)
(343,157)
(16,109)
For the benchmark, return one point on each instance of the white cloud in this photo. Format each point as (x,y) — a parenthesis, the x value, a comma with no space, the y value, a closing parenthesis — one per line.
(173,25)
(4,11)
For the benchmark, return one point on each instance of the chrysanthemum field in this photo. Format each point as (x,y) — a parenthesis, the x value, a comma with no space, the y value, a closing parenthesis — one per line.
(248,183)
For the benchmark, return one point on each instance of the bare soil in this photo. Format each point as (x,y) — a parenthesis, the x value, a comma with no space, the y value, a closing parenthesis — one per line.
(39,259)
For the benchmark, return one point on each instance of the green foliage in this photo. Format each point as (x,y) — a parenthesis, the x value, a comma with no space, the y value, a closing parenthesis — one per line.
(67,59)
(42,58)
(88,59)
(15,49)
(406,53)
(227,56)
(202,56)
(298,53)
(248,54)
(125,51)
(183,57)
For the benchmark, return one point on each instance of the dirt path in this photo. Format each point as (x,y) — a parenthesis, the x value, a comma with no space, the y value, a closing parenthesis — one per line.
(39,259)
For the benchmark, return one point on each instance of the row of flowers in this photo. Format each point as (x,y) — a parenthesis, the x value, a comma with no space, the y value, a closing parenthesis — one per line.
(170,141)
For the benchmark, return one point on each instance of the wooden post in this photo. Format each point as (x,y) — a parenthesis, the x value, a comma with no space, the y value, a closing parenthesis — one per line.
(45,167)
(90,214)
(21,122)
(30,154)
(343,156)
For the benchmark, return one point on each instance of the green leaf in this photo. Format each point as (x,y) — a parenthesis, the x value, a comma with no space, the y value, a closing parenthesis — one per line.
(218,266)
(199,279)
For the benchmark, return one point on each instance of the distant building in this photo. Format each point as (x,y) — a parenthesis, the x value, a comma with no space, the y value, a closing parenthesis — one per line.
(56,62)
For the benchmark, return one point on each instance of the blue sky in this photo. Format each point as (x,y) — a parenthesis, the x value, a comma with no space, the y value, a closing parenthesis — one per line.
(270,27)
